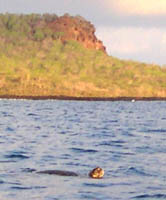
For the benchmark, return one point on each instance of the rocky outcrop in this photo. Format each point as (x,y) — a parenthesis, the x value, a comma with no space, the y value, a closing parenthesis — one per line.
(39,28)
(76,28)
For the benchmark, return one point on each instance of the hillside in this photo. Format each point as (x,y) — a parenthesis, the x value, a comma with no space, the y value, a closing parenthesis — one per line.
(47,55)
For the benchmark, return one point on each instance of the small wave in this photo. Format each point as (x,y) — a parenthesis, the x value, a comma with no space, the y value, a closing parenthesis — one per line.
(151,197)
(2,182)
(119,153)
(9,129)
(6,114)
(128,133)
(28,170)
(132,170)
(16,155)
(96,185)
(31,114)
(7,161)
(117,143)
(27,188)
(21,188)
(155,131)
(113,121)
(84,150)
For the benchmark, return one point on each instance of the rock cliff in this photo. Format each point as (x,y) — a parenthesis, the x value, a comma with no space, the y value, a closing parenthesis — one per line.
(76,28)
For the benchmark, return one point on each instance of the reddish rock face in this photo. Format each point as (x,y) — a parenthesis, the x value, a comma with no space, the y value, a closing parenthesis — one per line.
(76,28)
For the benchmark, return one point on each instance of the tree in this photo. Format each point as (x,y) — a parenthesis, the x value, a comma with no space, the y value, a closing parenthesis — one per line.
(58,35)
(39,35)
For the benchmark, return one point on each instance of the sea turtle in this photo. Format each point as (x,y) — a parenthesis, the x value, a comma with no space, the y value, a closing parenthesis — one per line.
(95,173)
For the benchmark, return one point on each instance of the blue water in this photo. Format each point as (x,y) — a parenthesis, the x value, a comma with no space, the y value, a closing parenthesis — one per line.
(126,139)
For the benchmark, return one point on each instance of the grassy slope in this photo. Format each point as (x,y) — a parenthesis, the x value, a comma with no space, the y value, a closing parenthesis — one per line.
(51,68)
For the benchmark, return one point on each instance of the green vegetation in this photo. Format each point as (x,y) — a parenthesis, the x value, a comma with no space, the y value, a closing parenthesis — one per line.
(34,61)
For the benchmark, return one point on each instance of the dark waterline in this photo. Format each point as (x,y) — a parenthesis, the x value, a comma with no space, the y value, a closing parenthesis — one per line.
(72,98)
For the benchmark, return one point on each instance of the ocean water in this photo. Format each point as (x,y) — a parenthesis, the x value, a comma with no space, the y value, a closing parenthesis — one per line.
(126,139)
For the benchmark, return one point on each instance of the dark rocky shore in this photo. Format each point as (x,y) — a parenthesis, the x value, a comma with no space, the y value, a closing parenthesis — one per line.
(84,98)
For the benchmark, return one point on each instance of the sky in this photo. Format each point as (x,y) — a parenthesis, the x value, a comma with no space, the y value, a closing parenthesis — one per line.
(130,29)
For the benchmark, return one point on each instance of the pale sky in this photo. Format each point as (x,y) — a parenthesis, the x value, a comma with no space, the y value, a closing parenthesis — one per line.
(130,29)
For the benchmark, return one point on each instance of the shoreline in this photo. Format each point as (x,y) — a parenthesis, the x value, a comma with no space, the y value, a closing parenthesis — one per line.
(72,98)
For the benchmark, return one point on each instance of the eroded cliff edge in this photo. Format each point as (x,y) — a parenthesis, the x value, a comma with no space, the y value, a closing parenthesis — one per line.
(76,28)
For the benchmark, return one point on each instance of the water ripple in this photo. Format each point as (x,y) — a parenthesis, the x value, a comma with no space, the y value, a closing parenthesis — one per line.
(26,188)
(156,130)
(135,171)
(16,155)
(84,150)
(151,197)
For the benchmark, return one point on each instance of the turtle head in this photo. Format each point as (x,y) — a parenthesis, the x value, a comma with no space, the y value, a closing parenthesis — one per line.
(96,173)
